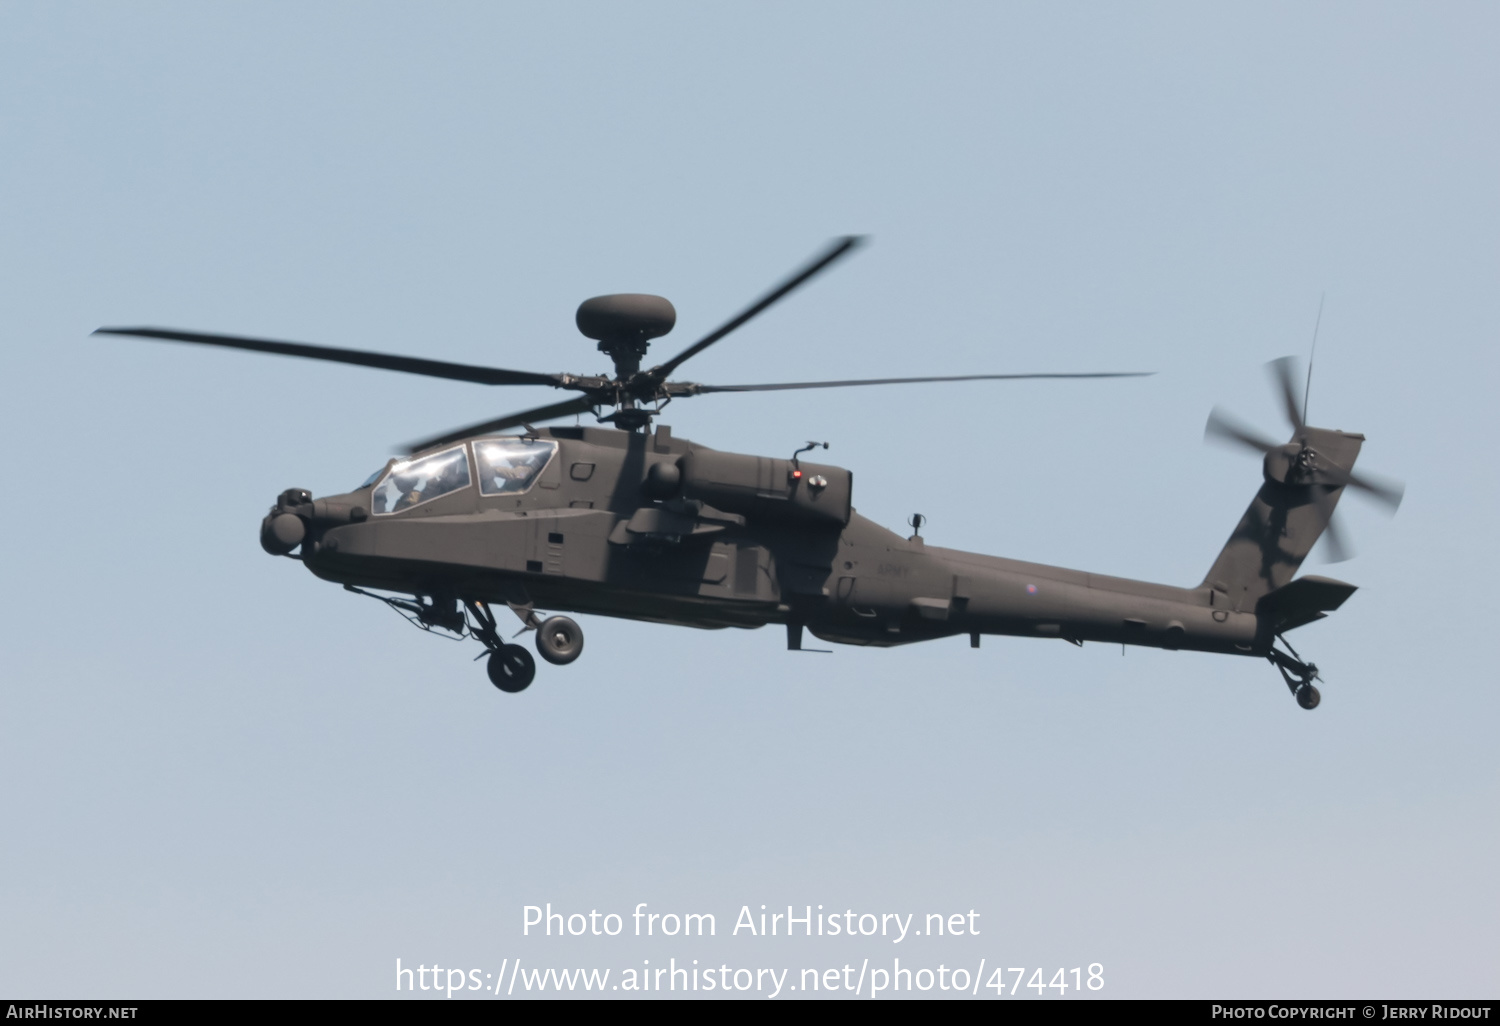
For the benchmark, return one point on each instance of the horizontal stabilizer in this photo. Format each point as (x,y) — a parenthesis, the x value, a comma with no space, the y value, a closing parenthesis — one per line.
(1302,601)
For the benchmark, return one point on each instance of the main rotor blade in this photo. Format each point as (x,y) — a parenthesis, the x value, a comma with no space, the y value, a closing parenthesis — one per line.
(384,361)
(562,409)
(838,249)
(780,386)
(1222,425)
(1284,372)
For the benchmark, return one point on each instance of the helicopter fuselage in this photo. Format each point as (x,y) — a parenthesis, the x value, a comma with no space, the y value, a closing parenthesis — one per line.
(650,527)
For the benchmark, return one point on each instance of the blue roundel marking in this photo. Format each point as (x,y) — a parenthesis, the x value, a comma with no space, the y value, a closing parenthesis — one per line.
(1031,589)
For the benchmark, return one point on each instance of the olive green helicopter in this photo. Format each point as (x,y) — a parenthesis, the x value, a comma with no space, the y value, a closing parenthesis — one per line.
(631,522)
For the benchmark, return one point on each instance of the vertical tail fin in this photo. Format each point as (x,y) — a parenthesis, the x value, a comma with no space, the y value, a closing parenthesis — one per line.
(1283,521)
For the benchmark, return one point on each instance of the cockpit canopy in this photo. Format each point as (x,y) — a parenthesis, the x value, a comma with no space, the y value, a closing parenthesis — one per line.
(412,482)
(506,465)
(510,464)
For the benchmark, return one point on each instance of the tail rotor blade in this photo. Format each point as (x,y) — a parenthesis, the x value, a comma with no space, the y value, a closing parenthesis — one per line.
(1388,493)
(1224,427)
(1336,548)
(1284,371)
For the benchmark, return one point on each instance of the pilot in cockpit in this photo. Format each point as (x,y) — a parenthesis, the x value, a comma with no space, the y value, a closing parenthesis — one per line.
(519,472)
(448,476)
(507,467)
(407,493)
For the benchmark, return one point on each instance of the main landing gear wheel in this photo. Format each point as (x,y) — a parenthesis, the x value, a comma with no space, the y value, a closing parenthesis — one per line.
(1308,696)
(559,640)
(511,668)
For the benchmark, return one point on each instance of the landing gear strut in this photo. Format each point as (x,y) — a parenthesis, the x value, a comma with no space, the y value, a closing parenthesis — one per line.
(1299,676)
(559,640)
(511,668)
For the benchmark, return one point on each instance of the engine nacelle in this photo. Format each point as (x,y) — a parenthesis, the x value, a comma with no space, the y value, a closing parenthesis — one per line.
(765,488)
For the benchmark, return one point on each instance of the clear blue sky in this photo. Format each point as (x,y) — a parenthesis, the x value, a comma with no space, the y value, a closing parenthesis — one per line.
(222,777)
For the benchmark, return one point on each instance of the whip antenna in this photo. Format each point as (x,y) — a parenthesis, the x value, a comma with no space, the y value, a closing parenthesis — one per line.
(1307,388)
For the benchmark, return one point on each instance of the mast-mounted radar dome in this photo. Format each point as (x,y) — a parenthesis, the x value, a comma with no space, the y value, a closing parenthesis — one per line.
(625,324)
(626,317)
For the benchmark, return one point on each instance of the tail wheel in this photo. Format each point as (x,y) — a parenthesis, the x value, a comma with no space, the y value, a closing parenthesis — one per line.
(511,668)
(559,640)
(1308,696)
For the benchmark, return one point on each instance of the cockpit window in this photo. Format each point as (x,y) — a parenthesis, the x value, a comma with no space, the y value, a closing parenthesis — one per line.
(415,481)
(373,478)
(510,464)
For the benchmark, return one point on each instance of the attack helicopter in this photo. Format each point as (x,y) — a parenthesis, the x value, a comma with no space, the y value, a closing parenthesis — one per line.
(629,521)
